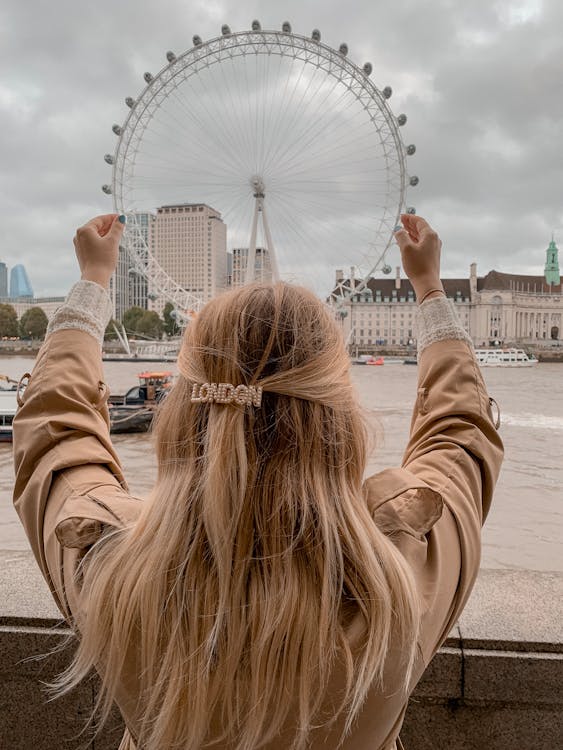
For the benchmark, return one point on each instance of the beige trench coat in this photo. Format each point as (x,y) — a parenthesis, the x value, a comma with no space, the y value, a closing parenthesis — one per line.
(70,486)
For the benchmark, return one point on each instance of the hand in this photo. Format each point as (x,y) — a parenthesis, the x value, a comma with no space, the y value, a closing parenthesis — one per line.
(97,247)
(420,254)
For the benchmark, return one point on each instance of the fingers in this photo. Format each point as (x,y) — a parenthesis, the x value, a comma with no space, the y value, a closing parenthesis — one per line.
(101,226)
(415,225)
(412,221)
(415,230)
(101,222)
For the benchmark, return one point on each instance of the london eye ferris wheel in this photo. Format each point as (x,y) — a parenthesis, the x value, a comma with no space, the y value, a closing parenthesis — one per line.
(285,136)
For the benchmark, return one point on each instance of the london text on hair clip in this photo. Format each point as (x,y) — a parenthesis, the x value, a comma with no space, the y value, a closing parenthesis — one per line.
(226,393)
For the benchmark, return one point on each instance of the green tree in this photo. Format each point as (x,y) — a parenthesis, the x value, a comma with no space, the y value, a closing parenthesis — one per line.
(171,327)
(33,323)
(150,325)
(8,321)
(131,319)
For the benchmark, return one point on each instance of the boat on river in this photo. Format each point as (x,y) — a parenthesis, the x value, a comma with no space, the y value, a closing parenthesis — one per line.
(8,408)
(126,419)
(504,358)
(134,411)
(368,359)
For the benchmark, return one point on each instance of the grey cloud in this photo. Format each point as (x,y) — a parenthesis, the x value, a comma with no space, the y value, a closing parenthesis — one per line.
(482,91)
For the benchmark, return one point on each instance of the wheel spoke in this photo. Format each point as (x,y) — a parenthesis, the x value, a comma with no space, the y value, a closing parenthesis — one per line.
(301,117)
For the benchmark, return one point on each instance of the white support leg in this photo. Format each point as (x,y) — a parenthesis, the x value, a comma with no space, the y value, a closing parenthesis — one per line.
(270,246)
(251,258)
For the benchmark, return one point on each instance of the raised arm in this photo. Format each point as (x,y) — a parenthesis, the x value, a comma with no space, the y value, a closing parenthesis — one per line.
(440,496)
(69,483)
(453,444)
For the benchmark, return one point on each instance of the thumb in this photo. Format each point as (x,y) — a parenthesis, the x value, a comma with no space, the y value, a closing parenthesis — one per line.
(118,226)
(402,238)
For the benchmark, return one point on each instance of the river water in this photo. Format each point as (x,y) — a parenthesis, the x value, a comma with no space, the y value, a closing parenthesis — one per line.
(524,529)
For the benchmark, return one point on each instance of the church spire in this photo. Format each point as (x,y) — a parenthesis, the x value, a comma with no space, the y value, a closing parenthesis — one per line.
(552,275)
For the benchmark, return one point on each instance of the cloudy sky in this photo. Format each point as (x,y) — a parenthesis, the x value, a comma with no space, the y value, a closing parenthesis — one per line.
(480,81)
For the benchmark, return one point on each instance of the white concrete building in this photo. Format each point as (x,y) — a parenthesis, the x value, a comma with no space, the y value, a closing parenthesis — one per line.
(189,241)
(262,266)
(495,308)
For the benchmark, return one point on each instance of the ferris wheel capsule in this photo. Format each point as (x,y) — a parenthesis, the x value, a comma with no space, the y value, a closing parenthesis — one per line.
(411,149)
(117,129)
(108,158)
(149,78)
(368,67)
(387,92)
(414,181)
(386,269)
(225,30)
(402,120)
(130,102)
(197,41)
(107,189)
(316,35)
(256,26)
(286,27)
(411,210)
(343,49)
(170,56)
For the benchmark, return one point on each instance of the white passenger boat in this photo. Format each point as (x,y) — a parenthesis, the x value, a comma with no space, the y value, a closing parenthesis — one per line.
(504,358)
(8,408)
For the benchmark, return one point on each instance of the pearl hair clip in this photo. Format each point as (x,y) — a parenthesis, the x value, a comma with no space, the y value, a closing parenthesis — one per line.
(226,393)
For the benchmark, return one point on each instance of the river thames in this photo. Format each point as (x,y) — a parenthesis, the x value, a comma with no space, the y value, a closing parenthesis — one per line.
(524,529)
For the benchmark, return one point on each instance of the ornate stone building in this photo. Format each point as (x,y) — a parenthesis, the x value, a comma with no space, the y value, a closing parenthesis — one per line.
(495,308)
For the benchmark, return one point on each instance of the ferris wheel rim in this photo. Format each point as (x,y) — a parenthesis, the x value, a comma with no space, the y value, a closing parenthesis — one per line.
(258,41)
(235,44)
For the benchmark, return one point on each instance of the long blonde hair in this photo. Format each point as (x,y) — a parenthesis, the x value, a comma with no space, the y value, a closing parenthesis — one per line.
(256,548)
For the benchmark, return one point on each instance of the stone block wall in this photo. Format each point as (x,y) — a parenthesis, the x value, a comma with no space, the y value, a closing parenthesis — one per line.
(497,683)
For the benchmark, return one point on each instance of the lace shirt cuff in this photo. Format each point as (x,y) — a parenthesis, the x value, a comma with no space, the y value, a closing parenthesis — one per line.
(88,307)
(437,320)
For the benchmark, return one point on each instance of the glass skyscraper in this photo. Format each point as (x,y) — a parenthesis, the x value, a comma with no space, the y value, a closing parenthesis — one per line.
(20,285)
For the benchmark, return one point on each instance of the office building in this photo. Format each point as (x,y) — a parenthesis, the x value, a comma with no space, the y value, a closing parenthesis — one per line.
(129,286)
(262,266)
(20,285)
(189,241)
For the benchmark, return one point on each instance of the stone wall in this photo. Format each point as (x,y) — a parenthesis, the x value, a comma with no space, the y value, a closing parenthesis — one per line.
(495,685)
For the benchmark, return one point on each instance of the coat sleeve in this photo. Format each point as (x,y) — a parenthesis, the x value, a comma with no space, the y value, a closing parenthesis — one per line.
(434,505)
(454,447)
(69,486)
